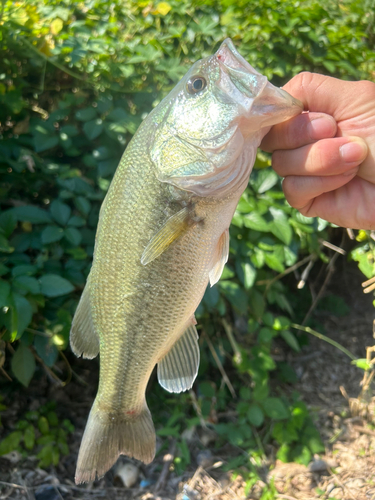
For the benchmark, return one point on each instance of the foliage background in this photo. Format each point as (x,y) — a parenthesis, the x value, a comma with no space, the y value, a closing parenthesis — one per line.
(76,79)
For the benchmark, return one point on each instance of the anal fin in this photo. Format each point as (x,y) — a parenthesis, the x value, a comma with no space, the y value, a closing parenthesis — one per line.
(178,369)
(173,228)
(220,258)
(83,339)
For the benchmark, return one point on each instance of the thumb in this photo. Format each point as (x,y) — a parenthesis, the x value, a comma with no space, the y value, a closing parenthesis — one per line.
(322,93)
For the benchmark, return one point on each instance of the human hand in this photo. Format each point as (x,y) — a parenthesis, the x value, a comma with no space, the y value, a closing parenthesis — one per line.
(327,156)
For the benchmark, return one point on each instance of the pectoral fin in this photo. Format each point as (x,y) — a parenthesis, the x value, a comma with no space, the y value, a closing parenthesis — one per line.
(178,369)
(83,339)
(219,258)
(175,227)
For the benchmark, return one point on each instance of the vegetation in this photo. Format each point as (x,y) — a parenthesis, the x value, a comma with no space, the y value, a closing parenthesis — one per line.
(76,79)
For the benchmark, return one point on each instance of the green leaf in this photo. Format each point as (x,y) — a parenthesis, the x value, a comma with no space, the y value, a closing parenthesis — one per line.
(83,205)
(73,235)
(60,212)
(267,178)
(24,269)
(53,285)
(3,269)
(27,284)
(290,339)
(362,363)
(4,245)
(4,293)
(51,234)
(207,389)
(93,128)
(10,442)
(46,349)
(86,114)
(275,408)
(29,213)
(76,221)
(43,425)
(255,221)
(8,222)
(29,437)
(255,415)
(44,142)
(280,226)
(249,275)
(23,364)
(24,314)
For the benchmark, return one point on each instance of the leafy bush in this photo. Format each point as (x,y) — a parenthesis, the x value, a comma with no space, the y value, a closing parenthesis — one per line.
(76,80)
(39,432)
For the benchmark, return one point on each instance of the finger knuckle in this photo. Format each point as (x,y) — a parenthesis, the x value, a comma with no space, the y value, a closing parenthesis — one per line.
(366,88)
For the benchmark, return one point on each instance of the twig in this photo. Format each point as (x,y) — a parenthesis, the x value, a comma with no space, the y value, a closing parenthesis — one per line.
(332,247)
(287,271)
(12,485)
(330,271)
(197,409)
(350,233)
(167,459)
(286,497)
(320,336)
(305,275)
(233,343)
(221,368)
(368,282)
(5,374)
(363,430)
(369,288)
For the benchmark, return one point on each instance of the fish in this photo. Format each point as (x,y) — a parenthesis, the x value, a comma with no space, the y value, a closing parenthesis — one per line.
(162,237)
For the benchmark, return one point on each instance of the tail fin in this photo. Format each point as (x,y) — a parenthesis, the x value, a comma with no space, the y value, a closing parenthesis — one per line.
(106,438)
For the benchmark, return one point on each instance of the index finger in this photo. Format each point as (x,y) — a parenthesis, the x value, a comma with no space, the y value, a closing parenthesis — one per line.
(301,130)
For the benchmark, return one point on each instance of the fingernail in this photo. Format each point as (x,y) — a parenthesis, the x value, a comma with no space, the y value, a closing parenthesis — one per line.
(354,151)
(321,127)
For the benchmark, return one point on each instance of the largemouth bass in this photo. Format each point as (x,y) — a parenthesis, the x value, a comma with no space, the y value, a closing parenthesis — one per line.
(162,237)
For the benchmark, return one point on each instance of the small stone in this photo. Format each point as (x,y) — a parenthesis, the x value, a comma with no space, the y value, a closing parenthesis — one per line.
(321,465)
(47,492)
(355,483)
(335,493)
(128,473)
(205,458)
(188,434)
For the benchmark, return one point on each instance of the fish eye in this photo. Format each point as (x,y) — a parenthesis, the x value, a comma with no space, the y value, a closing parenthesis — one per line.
(196,84)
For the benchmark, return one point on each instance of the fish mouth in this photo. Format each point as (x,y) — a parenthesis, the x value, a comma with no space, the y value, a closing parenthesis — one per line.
(252,91)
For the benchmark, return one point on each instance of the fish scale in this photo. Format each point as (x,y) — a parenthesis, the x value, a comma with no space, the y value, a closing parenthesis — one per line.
(162,236)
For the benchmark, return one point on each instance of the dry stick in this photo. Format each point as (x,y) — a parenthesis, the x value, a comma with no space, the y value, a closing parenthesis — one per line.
(368,282)
(363,430)
(5,374)
(350,233)
(221,368)
(341,483)
(233,343)
(197,409)
(369,288)
(332,247)
(330,271)
(286,497)
(167,459)
(287,271)
(305,275)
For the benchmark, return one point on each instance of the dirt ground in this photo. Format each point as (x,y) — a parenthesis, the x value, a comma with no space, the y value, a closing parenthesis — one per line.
(346,470)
